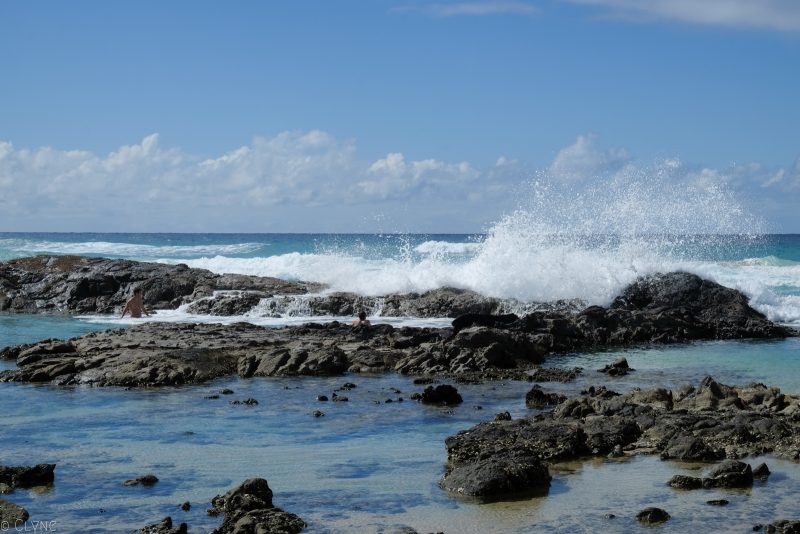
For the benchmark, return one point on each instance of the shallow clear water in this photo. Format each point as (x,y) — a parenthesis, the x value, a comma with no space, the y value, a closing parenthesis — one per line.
(367,465)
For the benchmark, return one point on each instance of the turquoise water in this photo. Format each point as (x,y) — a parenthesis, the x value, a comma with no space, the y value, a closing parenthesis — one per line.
(368,465)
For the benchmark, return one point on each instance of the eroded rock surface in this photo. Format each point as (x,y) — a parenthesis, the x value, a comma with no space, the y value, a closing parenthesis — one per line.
(248,509)
(78,284)
(707,423)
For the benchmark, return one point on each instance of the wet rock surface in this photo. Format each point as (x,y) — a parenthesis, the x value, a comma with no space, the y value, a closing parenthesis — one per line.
(12,515)
(664,308)
(784,526)
(710,422)
(146,480)
(652,516)
(26,476)
(78,284)
(248,509)
(728,474)
(165,526)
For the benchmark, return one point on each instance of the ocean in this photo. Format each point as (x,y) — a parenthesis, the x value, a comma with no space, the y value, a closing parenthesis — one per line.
(372,466)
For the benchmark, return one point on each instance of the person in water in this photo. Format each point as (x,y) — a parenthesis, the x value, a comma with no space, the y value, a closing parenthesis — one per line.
(135,306)
(362,320)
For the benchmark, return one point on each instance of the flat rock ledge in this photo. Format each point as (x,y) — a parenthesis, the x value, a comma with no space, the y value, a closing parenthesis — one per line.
(670,308)
(708,423)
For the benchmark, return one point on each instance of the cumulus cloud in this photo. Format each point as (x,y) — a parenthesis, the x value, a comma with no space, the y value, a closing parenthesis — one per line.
(781,15)
(145,186)
(582,160)
(474,8)
(311,181)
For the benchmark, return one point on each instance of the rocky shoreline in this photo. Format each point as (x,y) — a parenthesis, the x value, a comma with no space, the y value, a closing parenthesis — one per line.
(498,459)
(668,308)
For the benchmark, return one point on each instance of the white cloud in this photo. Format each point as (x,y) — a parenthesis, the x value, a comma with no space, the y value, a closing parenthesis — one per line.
(782,15)
(147,187)
(474,8)
(583,160)
(311,181)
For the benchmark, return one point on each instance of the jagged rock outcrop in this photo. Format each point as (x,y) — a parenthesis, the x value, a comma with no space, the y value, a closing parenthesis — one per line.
(78,284)
(707,423)
(668,308)
(248,509)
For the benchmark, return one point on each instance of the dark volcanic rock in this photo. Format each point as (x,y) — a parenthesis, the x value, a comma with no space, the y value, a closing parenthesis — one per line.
(686,482)
(248,509)
(761,472)
(146,480)
(165,527)
(784,526)
(498,475)
(12,515)
(617,368)
(27,476)
(554,374)
(174,354)
(537,398)
(227,303)
(699,308)
(76,284)
(730,474)
(599,422)
(441,394)
(652,516)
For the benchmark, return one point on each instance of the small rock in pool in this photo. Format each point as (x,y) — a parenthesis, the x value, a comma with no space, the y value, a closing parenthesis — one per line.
(423,381)
(186,506)
(227,391)
(322,398)
(718,502)
(652,516)
(317,413)
(762,472)
(441,394)
(247,402)
(212,397)
(503,416)
(348,386)
(146,480)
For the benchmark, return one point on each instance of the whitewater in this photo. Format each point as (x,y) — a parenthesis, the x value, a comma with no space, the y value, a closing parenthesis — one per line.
(560,243)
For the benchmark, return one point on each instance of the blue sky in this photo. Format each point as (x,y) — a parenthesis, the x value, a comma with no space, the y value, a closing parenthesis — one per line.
(318,115)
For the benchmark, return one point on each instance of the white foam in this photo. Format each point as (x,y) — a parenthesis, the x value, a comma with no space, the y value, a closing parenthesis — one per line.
(124,250)
(444,248)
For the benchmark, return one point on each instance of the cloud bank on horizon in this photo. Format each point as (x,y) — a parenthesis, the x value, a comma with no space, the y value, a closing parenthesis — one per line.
(310,181)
